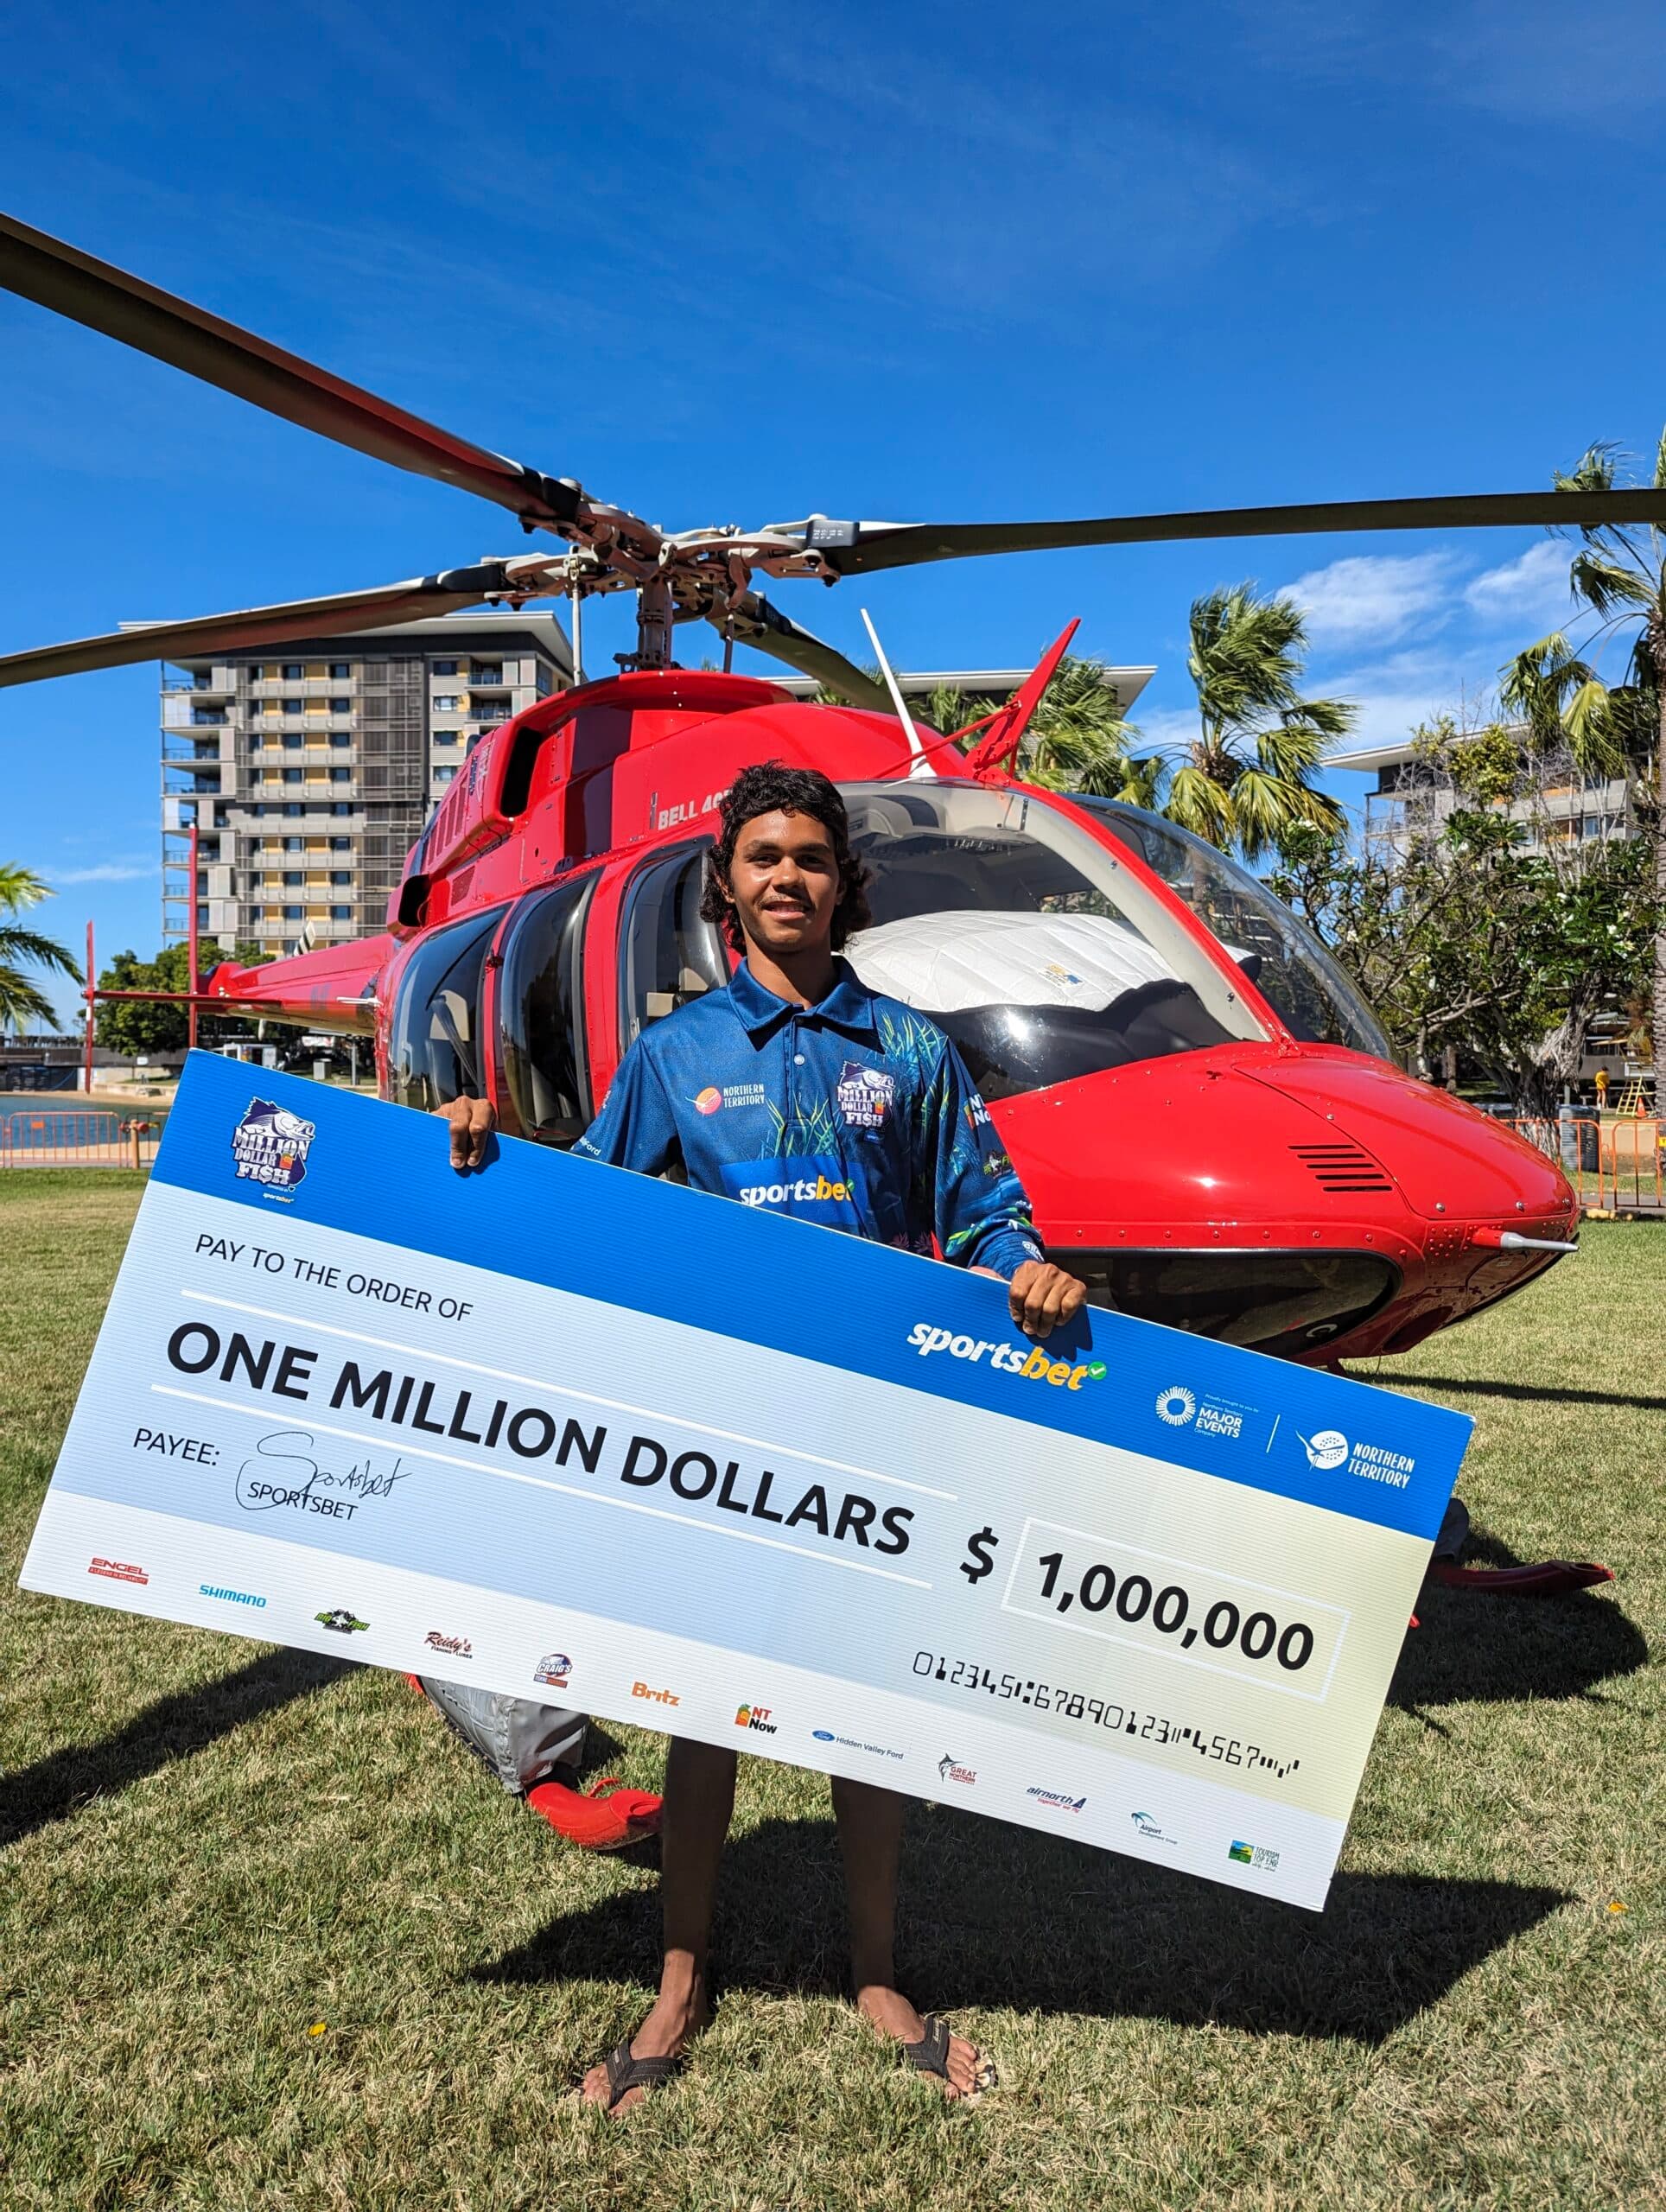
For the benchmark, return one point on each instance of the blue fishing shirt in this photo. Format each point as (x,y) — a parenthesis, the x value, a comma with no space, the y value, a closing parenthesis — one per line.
(856,1113)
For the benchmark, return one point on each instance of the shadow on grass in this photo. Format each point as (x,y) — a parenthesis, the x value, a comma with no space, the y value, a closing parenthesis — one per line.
(173,1728)
(995,1915)
(1487,1645)
(1533,1392)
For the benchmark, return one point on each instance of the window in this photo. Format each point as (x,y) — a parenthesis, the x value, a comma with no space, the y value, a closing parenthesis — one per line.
(292,706)
(293,672)
(445,668)
(294,914)
(341,914)
(293,775)
(445,703)
(1280,955)
(258,672)
(340,737)
(341,806)
(541,1013)
(293,876)
(340,775)
(295,845)
(444,775)
(340,671)
(340,706)
(434,1054)
(671,955)
(1023,938)
(294,806)
(292,741)
(340,876)
(445,736)
(488,677)
(341,844)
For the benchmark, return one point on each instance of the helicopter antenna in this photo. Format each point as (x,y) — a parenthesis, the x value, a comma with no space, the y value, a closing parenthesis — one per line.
(919,765)
(577,602)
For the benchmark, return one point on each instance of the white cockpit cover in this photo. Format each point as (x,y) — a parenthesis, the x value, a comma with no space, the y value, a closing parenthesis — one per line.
(944,963)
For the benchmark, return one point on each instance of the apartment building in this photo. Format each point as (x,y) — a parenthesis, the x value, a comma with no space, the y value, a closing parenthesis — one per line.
(309,770)
(1556,805)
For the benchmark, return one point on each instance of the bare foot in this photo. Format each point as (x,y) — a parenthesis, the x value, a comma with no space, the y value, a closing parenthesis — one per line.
(666,2033)
(969,2071)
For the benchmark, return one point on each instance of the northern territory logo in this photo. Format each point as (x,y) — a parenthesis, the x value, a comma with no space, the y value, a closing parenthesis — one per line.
(270,1145)
(713,1100)
(865,1095)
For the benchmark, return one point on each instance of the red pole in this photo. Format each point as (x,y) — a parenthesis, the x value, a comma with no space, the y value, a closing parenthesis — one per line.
(191,945)
(87,1054)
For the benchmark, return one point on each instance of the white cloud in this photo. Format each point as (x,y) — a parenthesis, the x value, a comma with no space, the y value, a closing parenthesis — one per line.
(105,872)
(1532,590)
(1375,597)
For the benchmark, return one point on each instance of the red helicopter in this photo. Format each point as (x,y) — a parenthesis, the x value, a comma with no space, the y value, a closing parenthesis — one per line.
(1206,1115)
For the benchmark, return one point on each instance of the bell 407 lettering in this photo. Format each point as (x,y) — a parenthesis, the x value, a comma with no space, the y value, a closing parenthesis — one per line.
(1031,1365)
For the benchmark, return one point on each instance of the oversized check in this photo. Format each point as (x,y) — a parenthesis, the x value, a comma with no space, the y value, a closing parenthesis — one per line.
(589,1438)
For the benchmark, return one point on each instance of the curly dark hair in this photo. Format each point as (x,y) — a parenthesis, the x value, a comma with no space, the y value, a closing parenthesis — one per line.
(768,787)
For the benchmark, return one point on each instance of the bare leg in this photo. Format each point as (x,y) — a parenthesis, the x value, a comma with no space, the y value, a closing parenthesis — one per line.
(699,1801)
(870,1839)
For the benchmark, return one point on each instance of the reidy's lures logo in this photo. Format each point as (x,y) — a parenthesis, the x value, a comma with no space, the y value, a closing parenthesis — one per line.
(269,1145)
(1035,1366)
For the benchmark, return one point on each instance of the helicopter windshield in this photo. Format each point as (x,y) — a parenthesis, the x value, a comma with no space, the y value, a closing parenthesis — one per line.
(1026,939)
(1280,956)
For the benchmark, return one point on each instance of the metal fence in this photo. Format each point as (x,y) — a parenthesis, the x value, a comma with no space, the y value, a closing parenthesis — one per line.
(82,1136)
(1615,1162)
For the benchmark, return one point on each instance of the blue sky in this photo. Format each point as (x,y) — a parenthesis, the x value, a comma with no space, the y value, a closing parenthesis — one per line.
(912,263)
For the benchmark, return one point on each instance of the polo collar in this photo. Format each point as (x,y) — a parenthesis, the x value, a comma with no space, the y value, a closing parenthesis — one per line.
(849,1007)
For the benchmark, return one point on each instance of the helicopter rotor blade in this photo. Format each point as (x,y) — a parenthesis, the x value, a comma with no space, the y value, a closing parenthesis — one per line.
(764,627)
(855,549)
(70,283)
(263,625)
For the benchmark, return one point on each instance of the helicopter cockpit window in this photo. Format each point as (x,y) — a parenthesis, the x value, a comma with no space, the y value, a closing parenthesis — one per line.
(1026,939)
(671,955)
(434,1052)
(541,1012)
(1280,955)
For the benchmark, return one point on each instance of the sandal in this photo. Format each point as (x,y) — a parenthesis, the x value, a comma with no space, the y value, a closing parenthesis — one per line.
(605,1817)
(931,2055)
(626,2073)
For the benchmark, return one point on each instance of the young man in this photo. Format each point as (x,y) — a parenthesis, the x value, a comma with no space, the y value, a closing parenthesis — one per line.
(794,1079)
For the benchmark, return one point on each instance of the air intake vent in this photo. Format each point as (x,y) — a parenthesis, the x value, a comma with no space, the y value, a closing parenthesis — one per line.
(1342,1168)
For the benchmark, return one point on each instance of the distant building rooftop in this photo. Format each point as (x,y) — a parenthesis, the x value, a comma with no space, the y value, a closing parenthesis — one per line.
(981,683)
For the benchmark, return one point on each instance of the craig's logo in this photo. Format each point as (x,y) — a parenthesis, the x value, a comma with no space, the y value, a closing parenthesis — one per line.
(554,1668)
(865,1095)
(1039,1366)
(270,1145)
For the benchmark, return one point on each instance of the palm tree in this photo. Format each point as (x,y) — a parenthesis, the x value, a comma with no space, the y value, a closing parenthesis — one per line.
(1243,780)
(21,1000)
(1617,729)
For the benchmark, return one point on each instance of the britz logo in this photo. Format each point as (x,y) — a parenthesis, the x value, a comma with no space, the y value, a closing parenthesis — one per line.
(1057,1798)
(756,1716)
(553,1669)
(951,1770)
(270,1145)
(658,1697)
(455,1647)
(1038,1366)
(116,1570)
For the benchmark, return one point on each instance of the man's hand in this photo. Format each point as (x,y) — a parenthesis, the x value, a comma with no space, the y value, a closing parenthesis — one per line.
(473,1120)
(1041,1296)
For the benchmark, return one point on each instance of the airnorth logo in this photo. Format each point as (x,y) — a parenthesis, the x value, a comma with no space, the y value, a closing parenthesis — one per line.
(1036,1366)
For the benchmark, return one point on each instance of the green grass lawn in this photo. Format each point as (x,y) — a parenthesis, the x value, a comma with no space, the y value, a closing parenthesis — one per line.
(212,1846)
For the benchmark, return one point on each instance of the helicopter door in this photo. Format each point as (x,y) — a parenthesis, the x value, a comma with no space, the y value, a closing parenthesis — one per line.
(433,1054)
(669,955)
(541,1012)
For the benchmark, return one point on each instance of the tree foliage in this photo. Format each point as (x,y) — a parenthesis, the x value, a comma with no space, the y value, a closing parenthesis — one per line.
(138,1028)
(22,1000)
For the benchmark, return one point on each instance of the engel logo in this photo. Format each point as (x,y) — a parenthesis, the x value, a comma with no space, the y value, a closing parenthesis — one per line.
(1039,1366)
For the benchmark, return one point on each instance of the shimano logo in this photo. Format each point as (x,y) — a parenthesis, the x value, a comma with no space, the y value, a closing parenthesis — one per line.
(1036,1365)
(232,1597)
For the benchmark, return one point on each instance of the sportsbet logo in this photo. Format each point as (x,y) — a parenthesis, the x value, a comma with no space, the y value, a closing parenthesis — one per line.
(814,1186)
(1039,1366)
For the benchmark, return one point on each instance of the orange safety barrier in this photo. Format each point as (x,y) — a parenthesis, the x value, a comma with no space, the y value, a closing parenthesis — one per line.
(1616,1163)
(49,1137)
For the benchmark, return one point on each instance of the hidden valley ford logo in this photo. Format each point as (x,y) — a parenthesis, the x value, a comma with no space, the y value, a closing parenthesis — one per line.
(270,1145)
(1038,1365)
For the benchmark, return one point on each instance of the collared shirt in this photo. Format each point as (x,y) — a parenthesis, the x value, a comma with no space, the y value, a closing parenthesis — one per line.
(857,1112)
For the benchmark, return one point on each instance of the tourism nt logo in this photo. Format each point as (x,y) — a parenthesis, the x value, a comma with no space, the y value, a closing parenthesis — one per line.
(116,1570)
(756,1717)
(1253,1854)
(1039,1366)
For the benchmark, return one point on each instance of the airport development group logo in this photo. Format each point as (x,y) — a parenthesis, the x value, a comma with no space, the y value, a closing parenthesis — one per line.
(270,1145)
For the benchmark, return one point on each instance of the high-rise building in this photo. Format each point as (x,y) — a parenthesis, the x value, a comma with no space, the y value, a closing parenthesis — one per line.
(309,769)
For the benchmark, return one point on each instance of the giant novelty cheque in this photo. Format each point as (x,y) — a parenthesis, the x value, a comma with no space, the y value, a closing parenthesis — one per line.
(580,1435)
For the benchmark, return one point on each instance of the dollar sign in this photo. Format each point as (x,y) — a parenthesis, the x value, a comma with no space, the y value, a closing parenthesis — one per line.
(978,1563)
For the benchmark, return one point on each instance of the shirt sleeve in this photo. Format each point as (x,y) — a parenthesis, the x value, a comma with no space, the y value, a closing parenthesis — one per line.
(635,1128)
(982,1212)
